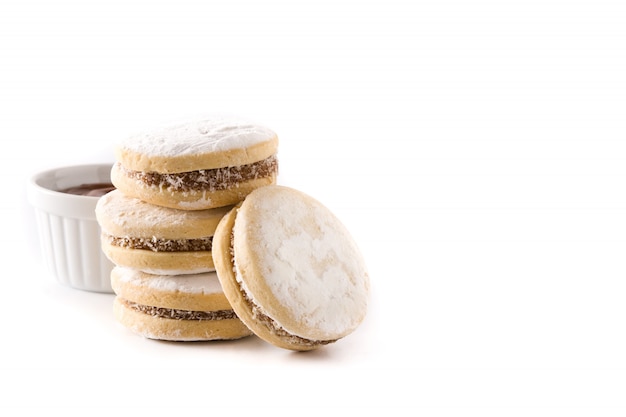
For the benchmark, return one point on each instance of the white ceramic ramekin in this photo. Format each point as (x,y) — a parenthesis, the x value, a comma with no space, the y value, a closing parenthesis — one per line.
(68,231)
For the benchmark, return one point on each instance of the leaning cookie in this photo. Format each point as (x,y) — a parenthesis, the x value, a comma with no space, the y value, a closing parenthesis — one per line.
(174,308)
(199,165)
(290,269)
(154,239)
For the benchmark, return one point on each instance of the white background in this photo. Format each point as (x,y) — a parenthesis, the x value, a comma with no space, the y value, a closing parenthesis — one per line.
(475,149)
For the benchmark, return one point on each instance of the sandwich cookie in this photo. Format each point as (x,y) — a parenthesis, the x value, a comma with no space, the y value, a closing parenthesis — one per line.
(196,166)
(155,239)
(290,269)
(175,308)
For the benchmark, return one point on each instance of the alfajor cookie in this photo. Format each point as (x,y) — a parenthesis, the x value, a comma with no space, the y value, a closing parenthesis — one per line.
(199,165)
(175,308)
(290,269)
(155,239)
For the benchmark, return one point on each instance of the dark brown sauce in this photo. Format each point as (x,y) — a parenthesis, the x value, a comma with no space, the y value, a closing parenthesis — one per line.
(94,190)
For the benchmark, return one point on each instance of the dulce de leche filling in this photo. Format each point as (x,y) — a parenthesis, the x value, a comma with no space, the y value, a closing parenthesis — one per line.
(176,314)
(93,189)
(208,179)
(161,245)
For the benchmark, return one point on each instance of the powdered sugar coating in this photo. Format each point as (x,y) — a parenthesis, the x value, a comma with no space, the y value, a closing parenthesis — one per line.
(198,137)
(205,283)
(155,271)
(117,211)
(308,260)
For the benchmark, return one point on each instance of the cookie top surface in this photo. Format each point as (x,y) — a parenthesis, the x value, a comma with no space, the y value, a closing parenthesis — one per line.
(121,215)
(206,283)
(197,292)
(201,144)
(297,261)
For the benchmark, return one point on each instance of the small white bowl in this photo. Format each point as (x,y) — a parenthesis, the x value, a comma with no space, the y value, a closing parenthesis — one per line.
(68,231)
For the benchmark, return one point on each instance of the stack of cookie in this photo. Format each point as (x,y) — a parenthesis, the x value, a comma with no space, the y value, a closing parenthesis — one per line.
(174,185)
(207,246)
